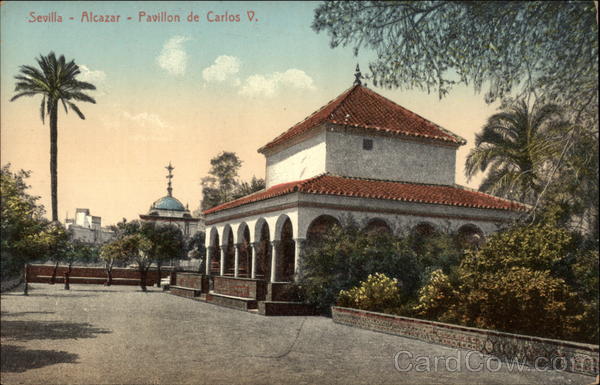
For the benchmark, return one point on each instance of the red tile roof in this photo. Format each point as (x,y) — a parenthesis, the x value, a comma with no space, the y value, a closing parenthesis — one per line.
(378,189)
(363,108)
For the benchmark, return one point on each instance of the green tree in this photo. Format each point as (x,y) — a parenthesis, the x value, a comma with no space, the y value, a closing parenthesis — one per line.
(56,81)
(20,218)
(77,251)
(345,256)
(165,243)
(50,243)
(514,48)
(247,188)
(222,184)
(110,254)
(135,248)
(516,147)
(518,282)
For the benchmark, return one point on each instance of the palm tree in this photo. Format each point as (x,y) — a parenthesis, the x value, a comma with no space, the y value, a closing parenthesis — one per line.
(517,147)
(56,81)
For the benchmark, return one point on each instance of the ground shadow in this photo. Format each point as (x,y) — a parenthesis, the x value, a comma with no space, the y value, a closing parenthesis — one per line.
(21,313)
(53,330)
(17,359)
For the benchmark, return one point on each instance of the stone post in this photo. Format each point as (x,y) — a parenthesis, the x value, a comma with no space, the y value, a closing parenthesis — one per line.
(300,245)
(275,260)
(253,250)
(223,256)
(236,260)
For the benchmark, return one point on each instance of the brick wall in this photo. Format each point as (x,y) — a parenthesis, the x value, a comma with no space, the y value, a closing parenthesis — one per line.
(240,287)
(94,275)
(572,356)
(191,280)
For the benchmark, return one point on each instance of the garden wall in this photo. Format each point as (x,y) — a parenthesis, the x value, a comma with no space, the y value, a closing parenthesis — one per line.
(240,287)
(570,356)
(92,275)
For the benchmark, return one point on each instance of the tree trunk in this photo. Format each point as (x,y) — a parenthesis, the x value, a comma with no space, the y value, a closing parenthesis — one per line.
(67,275)
(108,276)
(53,159)
(25,280)
(143,274)
(159,275)
(53,277)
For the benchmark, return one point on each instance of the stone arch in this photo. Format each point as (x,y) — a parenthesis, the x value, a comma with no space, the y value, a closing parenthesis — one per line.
(378,225)
(228,250)
(287,248)
(227,232)
(215,262)
(319,226)
(470,235)
(263,249)
(282,221)
(213,237)
(424,229)
(244,257)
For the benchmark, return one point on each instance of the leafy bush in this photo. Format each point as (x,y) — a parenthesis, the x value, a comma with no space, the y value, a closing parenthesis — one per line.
(378,293)
(345,256)
(513,284)
(437,298)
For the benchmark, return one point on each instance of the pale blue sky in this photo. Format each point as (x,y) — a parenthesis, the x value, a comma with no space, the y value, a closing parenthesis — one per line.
(181,92)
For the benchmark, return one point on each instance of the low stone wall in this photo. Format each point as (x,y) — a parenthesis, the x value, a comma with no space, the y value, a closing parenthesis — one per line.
(92,275)
(240,287)
(282,291)
(191,280)
(570,356)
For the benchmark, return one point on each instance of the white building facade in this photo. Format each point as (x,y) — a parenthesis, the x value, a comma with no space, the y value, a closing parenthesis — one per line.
(88,228)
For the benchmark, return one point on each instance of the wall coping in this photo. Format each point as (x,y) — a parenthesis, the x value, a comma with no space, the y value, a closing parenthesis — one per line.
(571,344)
(238,278)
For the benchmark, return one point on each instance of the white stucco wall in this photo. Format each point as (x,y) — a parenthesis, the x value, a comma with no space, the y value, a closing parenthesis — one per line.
(391,158)
(300,161)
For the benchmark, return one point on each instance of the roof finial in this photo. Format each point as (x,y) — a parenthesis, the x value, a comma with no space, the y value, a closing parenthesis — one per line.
(169,177)
(357,76)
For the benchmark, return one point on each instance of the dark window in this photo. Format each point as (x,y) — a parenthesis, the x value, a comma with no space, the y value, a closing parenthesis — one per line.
(367,144)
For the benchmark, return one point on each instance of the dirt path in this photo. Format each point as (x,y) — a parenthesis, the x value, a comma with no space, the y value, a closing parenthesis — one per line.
(119,335)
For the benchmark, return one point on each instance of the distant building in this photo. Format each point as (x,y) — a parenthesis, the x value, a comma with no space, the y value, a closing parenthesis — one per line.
(88,228)
(169,209)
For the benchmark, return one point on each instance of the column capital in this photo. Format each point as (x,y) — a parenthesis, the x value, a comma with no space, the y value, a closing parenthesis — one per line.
(276,242)
(224,247)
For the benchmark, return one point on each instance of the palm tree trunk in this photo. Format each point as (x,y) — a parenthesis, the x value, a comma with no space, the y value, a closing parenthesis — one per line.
(53,159)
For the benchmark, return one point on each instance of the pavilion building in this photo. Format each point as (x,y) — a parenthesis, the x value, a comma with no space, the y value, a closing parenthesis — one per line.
(361,155)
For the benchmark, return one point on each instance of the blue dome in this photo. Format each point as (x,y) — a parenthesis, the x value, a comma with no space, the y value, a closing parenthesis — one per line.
(168,203)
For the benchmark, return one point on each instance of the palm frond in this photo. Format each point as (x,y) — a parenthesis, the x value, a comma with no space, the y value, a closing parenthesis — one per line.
(77,110)
(26,93)
(43,109)
(80,96)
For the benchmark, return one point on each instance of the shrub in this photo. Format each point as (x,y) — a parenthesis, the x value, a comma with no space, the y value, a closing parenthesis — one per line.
(437,298)
(378,293)
(515,283)
(344,257)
